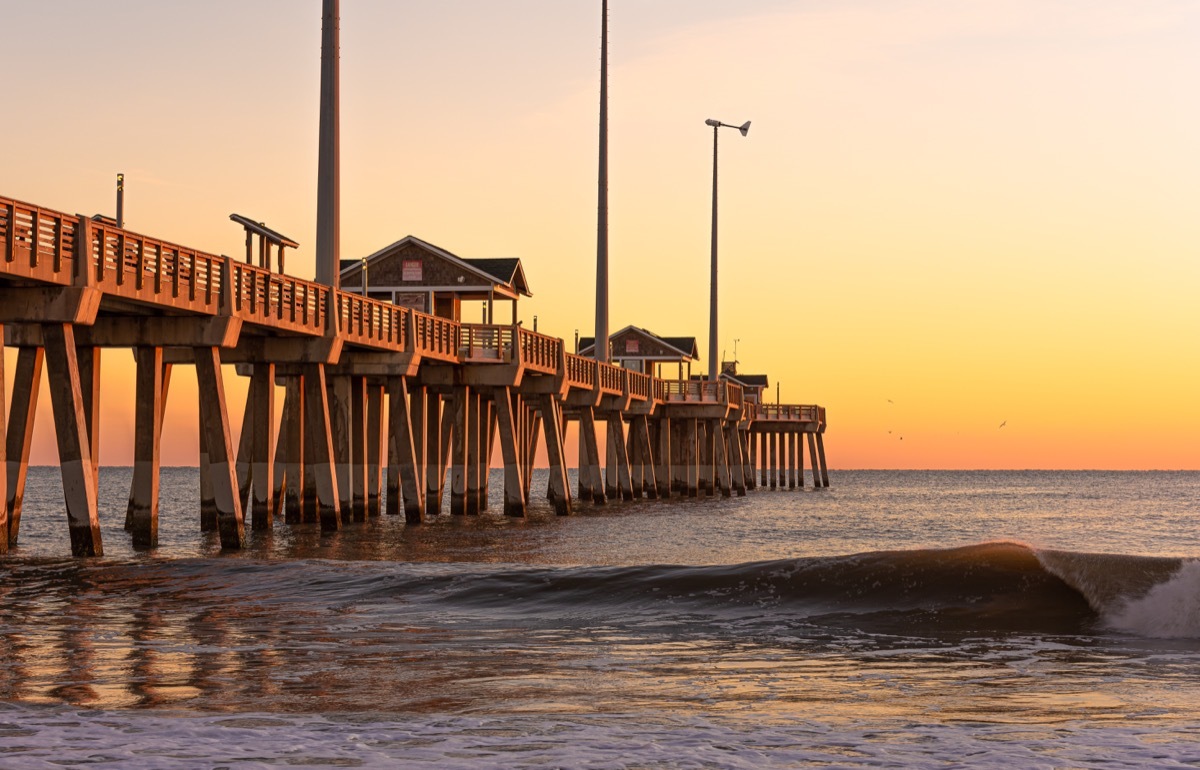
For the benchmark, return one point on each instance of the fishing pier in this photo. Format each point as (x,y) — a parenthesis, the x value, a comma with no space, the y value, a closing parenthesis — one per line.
(384,406)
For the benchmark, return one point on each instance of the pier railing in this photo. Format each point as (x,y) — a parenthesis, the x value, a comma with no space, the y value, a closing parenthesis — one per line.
(45,245)
(540,352)
(791,412)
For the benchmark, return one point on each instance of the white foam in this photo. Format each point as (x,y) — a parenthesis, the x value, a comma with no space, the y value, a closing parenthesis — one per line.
(1170,610)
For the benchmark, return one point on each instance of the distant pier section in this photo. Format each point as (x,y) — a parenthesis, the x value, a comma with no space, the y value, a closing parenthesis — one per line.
(391,400)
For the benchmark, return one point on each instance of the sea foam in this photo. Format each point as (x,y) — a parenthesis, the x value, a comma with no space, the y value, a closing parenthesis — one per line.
(1169,610)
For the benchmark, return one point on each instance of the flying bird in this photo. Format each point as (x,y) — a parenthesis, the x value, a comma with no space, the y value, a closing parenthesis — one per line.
(1003,424)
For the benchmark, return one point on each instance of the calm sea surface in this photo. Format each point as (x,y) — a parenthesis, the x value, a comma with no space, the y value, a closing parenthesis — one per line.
(897,619)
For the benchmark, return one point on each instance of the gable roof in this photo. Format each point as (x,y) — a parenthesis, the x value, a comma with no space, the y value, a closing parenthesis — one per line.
(685,346)
(505,271)
(748,380)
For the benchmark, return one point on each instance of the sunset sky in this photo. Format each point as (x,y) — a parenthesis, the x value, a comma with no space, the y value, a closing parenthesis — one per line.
(948,215)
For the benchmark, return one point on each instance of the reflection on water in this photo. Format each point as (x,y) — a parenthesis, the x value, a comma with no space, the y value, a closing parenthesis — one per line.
(199,635)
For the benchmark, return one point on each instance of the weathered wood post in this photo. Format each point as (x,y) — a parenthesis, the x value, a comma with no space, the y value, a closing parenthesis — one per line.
(220,448)
(662,474)
(296,498)
(821,457)
(793,446)
(514,484)
(376,451)
(26,384)
(460,457)
(551,416)
(358,448)
(74,445)
(434,470)
(208,501)
(340,393)
(474,453)
(262,430)
(318,448)
(400,415)
(150,394)
(720,456)
(589,457)
(773,452)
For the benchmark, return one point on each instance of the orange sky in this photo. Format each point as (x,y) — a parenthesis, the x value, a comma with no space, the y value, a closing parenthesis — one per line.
(946,216)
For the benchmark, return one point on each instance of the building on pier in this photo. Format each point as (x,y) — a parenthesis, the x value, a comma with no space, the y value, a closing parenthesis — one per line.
(641,350)
(418,275)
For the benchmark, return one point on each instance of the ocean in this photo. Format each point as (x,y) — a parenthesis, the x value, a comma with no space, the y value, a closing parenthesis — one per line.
(896,619)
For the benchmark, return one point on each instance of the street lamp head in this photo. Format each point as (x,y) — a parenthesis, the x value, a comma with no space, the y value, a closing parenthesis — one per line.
(744,128)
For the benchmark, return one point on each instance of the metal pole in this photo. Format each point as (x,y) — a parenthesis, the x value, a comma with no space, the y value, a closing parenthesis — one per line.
(121,200)
(712,309)
(328,162)
(601,347)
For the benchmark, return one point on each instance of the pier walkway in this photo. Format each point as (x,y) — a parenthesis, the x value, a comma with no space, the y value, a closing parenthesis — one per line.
(376,396)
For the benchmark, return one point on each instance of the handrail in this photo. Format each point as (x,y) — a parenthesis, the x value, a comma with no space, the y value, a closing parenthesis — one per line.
(44,245)
(485,343)
(581,371)
(540,352)
(791,412)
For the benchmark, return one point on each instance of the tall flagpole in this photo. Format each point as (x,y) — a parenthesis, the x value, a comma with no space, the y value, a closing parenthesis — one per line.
(328,163)
(601,346)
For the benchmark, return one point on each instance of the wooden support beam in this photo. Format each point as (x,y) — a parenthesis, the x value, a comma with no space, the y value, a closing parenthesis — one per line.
(376,450)
(551,416)
(208,501)
(662,474)
(514,484)
(723,480)
(821,459)
(318,448)
(89,381)
(491,420)
(633,450)
(800,460)
(746,452)
(737,460)
(74,446)
(340,410)
(434,472)
(358,448)
(792,446)
(262,433)
(279,464)
(707,457)
(617,437)
(692,456)
(589,456)
(244,467)
(150,394)
(649,477)
(474,453)
(221,460)
(763,459)
(293,451)
(774,450)
(612,488)
(447,434)
(27,382)
(401,412)
(459,453)
(535,432)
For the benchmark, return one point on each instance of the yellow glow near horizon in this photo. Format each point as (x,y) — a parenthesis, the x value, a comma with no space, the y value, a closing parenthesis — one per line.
(982,213)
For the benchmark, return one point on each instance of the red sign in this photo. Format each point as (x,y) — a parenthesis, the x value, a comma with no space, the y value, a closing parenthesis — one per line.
(631,346)
(410,270)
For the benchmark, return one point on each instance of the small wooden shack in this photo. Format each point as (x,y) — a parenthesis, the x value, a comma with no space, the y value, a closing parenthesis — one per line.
(641,350)
(754,386)
(419,275)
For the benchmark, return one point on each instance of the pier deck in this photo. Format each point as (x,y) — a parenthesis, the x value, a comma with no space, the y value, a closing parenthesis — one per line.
(376,394)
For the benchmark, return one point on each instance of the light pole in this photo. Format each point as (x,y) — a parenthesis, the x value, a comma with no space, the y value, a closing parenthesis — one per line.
(712,311)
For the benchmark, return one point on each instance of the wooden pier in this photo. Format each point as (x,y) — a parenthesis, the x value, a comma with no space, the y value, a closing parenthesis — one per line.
(381,402)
